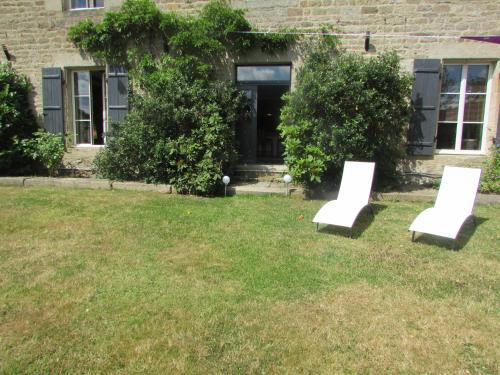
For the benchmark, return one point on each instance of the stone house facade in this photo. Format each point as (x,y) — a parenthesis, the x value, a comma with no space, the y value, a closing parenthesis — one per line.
(457,87)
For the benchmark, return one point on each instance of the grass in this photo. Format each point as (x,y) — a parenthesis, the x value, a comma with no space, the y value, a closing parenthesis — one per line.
(134,282)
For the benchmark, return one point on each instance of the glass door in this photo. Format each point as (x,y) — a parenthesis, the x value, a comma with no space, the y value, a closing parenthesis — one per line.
(81,106)
(89,107)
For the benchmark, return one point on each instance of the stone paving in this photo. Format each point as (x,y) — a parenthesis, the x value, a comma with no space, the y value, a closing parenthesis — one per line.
(415,194)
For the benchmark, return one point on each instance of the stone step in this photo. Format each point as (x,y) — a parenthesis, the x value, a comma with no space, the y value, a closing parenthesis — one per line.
(262,187)
(270,173)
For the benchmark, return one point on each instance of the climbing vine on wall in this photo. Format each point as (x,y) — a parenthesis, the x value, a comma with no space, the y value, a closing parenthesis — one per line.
(180,129)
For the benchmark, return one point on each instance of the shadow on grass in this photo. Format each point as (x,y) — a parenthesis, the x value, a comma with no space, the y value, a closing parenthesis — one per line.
(362,222)
(464,235)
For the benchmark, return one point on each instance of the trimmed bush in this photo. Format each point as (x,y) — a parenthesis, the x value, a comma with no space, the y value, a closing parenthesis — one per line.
(181,132)
(345,107)
(490,181)
(16,120)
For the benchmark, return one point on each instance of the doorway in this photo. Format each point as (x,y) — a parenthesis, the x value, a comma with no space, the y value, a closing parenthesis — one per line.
(258,136)
(89,107)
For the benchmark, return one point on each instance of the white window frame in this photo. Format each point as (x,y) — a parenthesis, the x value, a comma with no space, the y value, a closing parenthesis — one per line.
(461,108)
(89,6)
(105,107)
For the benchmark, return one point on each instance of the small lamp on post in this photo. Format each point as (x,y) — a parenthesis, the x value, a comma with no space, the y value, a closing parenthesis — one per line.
(287,179)
(226,181)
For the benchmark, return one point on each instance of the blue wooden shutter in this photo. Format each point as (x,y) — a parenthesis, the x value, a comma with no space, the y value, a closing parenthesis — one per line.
(53,108)
(425,99)
(117,93)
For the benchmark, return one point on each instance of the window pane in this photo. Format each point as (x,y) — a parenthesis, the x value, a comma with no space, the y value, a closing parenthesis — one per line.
(474,107)
(477,76)
(82,108)
(83,132)
(452,75)
(76,4)
(471,136)
(263,73)
(448,107)
(446,136)
(99,3)
(82,83)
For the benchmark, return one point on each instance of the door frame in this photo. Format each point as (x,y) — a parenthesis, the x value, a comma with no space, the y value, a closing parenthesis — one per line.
(251,139)
(89,70)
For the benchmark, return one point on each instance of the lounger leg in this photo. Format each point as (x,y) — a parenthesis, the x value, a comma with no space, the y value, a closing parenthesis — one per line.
(455,245)
(317,227)
(350,232)
(413,236)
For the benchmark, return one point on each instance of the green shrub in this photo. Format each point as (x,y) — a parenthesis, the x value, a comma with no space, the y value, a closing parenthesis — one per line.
(180,129)
(16,120)
(490,181)
(46,148)
(345,107)
(181,132)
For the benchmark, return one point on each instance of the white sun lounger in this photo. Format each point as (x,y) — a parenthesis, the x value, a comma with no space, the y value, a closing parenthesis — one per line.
(354,195)
(454,204)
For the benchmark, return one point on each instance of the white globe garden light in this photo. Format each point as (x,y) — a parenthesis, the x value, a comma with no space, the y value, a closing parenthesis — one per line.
(287,179)
(226,181)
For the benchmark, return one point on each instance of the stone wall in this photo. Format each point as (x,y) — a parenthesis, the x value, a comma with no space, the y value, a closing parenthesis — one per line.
(35,33)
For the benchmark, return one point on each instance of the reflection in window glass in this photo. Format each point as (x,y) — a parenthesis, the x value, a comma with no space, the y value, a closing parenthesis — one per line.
(83,4)
(474,108)
(263,73)
(77,4)
(477,77)
(83,132)
(82,108)
(82,83)
(452,74)
(446,135)
(448,107)
(471,136)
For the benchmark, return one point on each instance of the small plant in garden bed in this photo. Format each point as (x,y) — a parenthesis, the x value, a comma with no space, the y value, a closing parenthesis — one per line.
(46,148)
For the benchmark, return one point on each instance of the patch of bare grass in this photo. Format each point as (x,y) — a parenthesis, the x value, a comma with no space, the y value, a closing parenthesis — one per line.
(361,328)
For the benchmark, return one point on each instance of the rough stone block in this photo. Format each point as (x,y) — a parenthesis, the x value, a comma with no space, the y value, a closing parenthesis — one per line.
(140,186)
(12,181)
(369,10)
(294,12)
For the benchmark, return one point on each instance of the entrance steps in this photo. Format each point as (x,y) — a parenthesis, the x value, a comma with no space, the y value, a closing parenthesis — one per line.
(77,161)
(267,173)
(261,179)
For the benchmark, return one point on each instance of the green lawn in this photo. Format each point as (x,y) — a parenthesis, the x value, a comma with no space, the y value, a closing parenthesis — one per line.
(128,282)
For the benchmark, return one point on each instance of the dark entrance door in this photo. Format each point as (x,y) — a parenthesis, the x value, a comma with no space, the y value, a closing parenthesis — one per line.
(257,134)
(247,129)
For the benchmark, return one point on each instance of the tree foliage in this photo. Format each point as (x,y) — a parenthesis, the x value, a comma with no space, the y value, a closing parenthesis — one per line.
(181,132)
(180,129)
(16,119)
(345,107)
